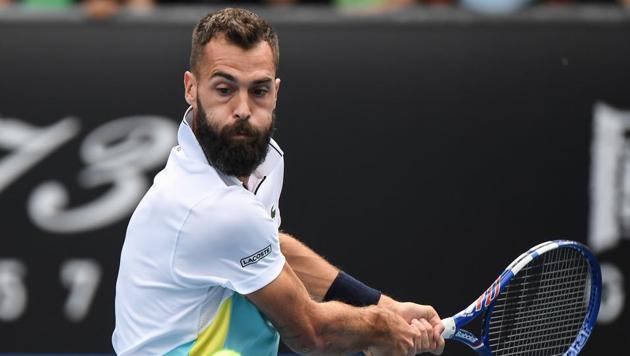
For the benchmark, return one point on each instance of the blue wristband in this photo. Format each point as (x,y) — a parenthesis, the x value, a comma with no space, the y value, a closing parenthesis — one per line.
(348,290)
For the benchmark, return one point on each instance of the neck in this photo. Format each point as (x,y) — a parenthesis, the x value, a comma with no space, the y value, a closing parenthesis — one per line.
(244,180)
(194,122)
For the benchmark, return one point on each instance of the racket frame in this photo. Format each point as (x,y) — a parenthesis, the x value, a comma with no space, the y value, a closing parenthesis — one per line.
(485,303)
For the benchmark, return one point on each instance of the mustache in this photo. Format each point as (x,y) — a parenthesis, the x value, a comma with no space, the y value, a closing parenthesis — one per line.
(241,128)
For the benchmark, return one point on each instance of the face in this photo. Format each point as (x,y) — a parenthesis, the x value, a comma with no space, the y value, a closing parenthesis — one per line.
(233,97)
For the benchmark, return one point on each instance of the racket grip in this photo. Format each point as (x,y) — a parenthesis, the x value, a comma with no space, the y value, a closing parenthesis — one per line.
(449,328)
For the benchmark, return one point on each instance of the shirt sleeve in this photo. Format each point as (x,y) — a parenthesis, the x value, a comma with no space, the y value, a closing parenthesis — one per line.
(228,240)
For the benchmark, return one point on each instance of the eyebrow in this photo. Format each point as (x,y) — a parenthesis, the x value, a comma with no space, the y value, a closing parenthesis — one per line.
(224,76)
(262,81)
(231,78)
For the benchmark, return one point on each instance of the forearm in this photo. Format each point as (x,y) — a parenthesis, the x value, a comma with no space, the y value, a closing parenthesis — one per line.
(309,327)
(338,329)
(346,334)
(314,271)
(343,329)
(347,329)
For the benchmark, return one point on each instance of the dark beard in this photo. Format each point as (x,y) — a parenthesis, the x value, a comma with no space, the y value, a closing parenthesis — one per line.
(234,157)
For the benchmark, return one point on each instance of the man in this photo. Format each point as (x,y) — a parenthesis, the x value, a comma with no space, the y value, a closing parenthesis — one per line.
(204,267)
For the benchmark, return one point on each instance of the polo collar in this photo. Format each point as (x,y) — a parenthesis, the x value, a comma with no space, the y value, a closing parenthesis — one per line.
(187,140)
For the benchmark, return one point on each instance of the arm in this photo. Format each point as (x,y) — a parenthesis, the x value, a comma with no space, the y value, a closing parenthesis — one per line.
(330,328)
(240,227)
(317,274)
(314,271)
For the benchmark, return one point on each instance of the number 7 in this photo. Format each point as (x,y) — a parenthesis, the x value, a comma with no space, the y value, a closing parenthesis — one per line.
(82,278)
(30,145)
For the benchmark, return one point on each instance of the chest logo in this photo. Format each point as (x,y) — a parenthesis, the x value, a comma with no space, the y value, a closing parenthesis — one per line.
(256,256)
(273,212)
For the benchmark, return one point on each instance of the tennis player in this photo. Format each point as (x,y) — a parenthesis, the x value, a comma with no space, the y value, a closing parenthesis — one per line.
(204,266)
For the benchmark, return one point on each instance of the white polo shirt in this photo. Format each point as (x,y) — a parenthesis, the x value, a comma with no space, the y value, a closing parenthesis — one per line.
(197,242)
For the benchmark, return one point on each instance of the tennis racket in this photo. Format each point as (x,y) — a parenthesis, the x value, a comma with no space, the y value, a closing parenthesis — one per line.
(544,303)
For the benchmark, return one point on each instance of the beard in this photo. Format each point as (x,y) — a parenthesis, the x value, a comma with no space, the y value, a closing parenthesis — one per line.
(233,156)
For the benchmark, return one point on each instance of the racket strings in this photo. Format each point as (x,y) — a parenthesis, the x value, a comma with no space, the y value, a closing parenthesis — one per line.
(576,297)
(543,307)
(525,319)
(530,328)
(550,293)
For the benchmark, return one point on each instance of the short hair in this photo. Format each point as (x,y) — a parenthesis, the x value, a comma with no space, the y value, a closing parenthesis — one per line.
(239,26)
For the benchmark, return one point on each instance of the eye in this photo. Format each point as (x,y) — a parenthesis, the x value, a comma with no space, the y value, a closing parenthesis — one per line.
(260,92)
(224,91)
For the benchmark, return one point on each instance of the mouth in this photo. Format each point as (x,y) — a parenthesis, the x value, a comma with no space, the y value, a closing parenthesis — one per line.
(243,132)
(242,135)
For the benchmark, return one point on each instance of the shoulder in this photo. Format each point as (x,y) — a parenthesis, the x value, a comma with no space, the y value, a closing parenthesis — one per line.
(231,214)
(230,204)
(221,234)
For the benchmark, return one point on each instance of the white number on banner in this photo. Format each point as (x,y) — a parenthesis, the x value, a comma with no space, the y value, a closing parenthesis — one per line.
(82,278)
(30,145)
(116,154)
(13,296)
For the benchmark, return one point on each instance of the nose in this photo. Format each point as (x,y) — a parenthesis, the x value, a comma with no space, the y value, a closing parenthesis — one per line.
(242,110)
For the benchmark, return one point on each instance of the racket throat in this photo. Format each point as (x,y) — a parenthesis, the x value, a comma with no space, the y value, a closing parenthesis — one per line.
(449,328)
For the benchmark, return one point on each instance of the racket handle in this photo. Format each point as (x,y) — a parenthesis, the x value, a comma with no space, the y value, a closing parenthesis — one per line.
(449,328)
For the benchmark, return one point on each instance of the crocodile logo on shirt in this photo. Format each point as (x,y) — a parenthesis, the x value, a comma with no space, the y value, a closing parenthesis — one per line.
(273,211)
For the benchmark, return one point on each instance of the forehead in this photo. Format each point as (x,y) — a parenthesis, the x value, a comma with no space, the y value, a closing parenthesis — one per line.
(221,55)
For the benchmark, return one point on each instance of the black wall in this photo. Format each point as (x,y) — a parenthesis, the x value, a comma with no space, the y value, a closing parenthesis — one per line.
(423,153)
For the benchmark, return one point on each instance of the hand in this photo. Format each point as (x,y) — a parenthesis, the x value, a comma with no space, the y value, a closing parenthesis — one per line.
(425,341)
(397,337)
(410,311)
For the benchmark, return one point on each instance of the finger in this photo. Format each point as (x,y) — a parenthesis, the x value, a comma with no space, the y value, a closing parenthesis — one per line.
(417,326)
(431,342)
(435,320)
(438,329)
(418,339)
(428,312)
(433,312)
(440,347)
(424,342)
(414,327)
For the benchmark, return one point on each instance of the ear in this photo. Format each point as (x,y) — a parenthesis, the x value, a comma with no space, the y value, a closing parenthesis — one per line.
(190,89)
(278,81)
